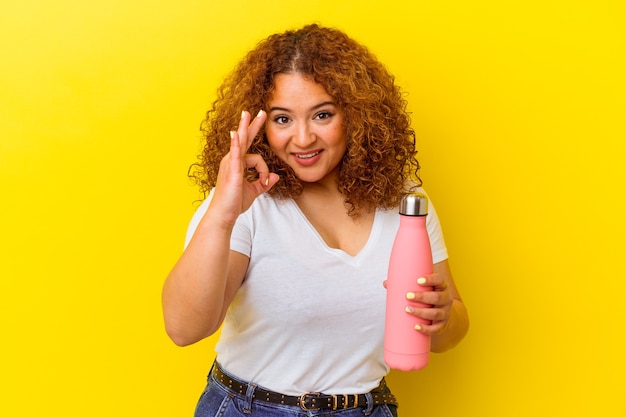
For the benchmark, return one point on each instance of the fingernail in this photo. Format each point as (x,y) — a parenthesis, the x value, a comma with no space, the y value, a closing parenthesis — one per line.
(410,296)
(267,181)
(259,113)
(421,281)
(408,309)
(418,327)
(243,113)
(232,134)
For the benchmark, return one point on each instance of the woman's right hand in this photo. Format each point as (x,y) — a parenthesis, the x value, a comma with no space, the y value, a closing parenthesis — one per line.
(233,193)
(204,281)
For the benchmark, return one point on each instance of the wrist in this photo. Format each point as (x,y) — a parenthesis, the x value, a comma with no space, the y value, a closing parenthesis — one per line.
(217,219)
(454,330)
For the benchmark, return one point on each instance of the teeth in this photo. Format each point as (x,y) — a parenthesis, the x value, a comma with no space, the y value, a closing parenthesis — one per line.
(308,155)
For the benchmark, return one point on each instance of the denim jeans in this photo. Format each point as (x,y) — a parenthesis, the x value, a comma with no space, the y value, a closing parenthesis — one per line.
(218,400)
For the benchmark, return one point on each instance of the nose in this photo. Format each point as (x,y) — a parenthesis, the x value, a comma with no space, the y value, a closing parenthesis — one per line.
(303,137)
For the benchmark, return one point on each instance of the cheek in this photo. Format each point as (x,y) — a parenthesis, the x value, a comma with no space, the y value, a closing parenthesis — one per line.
(275,142)
(340,139)
(272,139)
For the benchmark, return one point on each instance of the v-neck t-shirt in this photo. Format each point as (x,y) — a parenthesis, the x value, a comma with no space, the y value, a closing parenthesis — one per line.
(308,317)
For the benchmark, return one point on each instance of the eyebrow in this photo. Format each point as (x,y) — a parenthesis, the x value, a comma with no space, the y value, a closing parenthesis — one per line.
(317,106)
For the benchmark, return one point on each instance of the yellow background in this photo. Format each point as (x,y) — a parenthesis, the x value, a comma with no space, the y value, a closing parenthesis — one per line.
(519,109)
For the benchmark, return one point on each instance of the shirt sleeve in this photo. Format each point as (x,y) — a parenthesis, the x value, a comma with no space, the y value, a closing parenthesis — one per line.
(435,234)
(197,216)
(240,240)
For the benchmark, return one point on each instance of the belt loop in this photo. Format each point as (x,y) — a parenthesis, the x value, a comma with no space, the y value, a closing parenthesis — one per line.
(247,406)
(370,403)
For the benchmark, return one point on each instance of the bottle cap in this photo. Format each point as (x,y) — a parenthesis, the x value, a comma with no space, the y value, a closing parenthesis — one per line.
(414,204)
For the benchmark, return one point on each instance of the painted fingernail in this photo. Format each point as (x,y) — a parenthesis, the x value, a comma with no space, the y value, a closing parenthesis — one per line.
(418,327)
(267,181)
(421,281)
(408,309)
(232,134)
(410,296)
(243,113)
(259,113)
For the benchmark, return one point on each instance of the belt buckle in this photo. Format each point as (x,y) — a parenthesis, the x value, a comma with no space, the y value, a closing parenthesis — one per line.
(303,400)
(315,395)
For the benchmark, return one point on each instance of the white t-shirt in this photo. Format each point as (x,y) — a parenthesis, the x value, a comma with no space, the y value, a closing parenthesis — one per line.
(308,317)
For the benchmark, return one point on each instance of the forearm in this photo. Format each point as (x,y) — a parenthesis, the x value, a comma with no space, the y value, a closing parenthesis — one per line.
(195,289)
(455,329)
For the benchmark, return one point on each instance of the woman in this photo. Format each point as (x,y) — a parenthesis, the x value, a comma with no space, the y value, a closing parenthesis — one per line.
(290,250)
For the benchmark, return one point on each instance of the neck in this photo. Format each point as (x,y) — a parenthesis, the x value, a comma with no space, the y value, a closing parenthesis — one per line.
(326,185)
(321,190)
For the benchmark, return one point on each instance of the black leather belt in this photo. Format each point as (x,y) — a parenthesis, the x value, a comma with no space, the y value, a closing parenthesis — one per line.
(309,400)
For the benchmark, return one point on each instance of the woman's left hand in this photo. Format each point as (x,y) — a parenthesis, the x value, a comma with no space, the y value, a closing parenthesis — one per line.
(444,308)
(438,300)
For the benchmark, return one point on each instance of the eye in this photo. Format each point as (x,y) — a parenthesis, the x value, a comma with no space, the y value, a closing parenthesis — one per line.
(323,115)
(281,120)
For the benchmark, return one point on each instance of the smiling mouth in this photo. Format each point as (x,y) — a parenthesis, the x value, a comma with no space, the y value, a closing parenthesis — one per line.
(307,155)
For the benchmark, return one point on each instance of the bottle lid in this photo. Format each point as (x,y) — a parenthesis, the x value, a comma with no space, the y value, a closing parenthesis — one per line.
(414,204)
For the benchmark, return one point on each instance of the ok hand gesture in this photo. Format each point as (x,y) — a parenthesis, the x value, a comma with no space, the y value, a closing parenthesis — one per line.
(233,193)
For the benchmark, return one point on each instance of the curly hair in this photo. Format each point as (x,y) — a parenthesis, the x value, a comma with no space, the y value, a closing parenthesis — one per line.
(380,159)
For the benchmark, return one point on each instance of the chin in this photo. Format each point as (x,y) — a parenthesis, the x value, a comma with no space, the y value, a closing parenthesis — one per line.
(309,179)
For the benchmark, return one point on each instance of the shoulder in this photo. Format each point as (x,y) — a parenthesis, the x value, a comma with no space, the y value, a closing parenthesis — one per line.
(197,216)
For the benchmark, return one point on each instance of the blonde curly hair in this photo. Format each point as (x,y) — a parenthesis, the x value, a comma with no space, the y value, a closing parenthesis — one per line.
(380,158)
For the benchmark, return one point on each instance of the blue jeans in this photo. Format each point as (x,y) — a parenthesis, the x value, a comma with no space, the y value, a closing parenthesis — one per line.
(218,400)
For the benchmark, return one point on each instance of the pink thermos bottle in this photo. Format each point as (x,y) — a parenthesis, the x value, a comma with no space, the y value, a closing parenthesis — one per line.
(407,349)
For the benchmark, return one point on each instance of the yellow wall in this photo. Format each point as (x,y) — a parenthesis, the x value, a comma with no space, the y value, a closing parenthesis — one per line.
(519,108)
